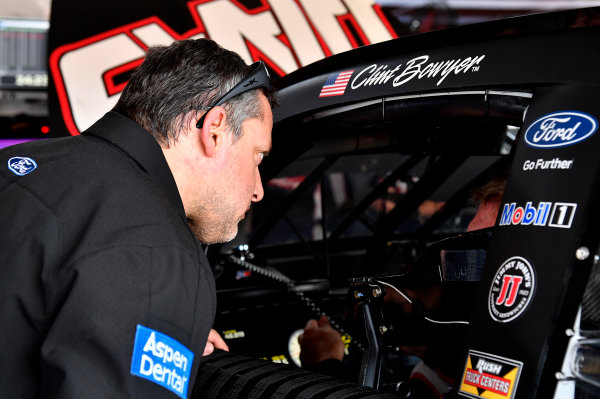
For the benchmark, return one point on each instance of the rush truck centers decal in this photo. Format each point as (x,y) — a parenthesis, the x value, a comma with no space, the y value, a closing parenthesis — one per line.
(512,289)
(162,360)
(560,129)
(489,376)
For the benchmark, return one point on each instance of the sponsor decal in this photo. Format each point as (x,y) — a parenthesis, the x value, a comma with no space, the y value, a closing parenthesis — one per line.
(233,334)
(162,360)
(415,68)
(557,214)
(560,129)
(512,289)
(489,376)
(89,74)
(277,359)
(336,84)
(542,164)
(21,166)
(280,359)
(241,274)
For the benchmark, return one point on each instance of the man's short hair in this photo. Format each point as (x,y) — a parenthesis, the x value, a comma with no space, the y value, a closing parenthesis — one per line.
(180,81)
(492,191)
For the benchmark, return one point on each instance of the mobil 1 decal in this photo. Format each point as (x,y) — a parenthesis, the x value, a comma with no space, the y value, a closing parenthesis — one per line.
(512,289)
(542,213)
(489,376)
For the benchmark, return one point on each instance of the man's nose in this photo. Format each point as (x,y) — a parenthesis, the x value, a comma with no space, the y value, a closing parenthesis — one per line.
(259,191)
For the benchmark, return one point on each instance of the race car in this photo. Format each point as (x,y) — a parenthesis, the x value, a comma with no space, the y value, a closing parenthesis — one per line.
(376,153)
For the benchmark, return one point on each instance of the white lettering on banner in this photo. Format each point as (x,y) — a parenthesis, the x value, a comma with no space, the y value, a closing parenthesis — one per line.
(415,68)
(369,20)
(259,29)
(82,70)
(298,31)
(286,34)
(324,15)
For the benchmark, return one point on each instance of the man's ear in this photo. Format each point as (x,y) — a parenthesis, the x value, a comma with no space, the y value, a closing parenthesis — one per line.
(213,133)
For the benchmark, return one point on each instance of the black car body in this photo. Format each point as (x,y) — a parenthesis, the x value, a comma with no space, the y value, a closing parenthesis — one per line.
(365,139)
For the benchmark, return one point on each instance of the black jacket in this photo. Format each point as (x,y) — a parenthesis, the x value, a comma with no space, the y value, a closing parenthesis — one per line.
(96,255)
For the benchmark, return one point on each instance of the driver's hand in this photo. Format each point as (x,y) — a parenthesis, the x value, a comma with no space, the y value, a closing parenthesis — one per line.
(214,341)
(320,342)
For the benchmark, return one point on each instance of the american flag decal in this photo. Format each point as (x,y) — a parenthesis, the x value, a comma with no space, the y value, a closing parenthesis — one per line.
(336,83)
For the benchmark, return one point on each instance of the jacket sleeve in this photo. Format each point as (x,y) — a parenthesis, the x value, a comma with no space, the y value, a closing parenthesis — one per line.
(131,322)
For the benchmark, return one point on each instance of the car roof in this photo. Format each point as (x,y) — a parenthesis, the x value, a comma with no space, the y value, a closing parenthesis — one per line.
(485,70)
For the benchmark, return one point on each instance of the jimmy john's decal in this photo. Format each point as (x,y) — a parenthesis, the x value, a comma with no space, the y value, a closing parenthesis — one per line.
(512,289)
(415,68)
(489,376)
(560,129)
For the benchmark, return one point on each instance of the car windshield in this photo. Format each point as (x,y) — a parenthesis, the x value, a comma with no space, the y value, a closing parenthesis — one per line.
(356,193)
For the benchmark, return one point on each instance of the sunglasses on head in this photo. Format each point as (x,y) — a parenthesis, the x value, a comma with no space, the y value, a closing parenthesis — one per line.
(257,78)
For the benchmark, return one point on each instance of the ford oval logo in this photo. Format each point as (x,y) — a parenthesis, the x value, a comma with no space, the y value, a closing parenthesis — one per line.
(560,129)
(21,165)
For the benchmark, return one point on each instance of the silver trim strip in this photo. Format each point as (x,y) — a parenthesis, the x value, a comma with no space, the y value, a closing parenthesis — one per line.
(362,104)
(345,108)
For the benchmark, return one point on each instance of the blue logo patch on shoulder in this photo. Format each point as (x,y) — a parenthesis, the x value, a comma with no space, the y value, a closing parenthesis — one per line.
(162,360)
(21,165)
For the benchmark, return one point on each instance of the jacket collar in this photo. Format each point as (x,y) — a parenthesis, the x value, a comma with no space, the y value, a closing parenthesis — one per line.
(136,142)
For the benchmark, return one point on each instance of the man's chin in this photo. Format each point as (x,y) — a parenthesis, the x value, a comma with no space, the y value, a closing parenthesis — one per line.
(219,238)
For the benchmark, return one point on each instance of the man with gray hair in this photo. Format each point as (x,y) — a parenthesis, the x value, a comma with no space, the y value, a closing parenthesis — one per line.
(105,289)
